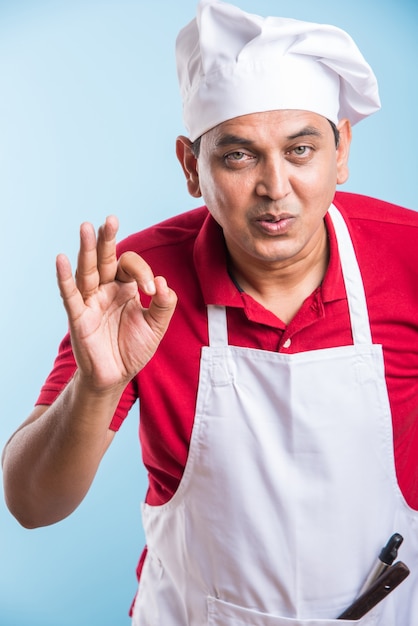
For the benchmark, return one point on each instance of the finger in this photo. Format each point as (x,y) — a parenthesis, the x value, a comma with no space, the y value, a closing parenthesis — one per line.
(72,299)
(87,274)
(161,307)
(106,249)
(132,267)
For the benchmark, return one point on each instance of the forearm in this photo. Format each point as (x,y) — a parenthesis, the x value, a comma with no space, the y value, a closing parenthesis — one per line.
(49,464)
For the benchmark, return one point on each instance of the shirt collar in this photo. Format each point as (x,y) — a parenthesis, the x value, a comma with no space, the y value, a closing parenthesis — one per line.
(211,262)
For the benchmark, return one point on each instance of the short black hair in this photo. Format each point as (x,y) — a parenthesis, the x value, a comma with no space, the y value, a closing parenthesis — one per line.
(195,147)
(336,133)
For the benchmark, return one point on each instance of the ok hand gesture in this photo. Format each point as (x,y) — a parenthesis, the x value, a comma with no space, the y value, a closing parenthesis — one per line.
(113,336)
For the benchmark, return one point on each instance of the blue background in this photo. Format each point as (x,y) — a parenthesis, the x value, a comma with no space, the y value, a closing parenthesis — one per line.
(89,111)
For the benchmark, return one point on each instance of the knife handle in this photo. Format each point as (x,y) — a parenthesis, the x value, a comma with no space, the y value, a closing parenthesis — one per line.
(381,588)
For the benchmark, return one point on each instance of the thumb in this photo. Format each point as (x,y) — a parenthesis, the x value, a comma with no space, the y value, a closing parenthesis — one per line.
(161,307)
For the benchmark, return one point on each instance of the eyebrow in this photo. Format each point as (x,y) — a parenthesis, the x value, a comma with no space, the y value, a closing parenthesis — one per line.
(306,132)
(228,139)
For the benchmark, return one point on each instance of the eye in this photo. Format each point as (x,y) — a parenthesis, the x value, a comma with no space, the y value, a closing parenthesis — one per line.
(300,154)
(301,150)
(238,159)
(235,156)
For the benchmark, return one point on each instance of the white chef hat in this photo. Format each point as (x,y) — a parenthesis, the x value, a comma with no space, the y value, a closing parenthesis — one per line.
(232,63)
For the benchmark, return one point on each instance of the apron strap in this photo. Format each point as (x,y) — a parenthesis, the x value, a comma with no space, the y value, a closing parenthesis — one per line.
(359,316)
(217,326)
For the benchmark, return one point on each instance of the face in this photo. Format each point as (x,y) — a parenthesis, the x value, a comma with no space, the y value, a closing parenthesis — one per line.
(268,179)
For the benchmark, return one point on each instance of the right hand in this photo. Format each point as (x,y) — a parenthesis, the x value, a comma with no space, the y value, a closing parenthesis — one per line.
(113,336)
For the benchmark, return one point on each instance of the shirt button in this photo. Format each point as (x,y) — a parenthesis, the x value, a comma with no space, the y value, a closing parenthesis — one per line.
(287,343)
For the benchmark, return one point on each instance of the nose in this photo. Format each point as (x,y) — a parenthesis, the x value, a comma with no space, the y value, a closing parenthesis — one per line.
(273,180)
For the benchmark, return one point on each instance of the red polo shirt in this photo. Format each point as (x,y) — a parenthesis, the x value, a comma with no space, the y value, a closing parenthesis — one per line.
(189,250)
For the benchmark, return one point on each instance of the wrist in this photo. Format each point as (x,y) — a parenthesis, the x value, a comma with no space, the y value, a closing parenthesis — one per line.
(86,389)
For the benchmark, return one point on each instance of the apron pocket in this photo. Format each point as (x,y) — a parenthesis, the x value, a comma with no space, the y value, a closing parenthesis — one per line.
(222,613)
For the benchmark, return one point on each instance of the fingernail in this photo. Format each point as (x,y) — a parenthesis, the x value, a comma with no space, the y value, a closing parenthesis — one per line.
(150,288)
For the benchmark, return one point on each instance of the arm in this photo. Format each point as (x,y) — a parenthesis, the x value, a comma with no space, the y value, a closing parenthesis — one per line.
(51,460)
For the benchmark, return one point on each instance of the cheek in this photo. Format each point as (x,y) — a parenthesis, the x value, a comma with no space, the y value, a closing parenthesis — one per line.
(318,183)
(218,194)
(211,200)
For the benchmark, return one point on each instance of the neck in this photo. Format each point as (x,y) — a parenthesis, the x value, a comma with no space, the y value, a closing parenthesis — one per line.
(283,286)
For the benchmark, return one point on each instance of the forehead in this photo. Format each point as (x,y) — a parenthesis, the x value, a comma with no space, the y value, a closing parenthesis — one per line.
(282,124)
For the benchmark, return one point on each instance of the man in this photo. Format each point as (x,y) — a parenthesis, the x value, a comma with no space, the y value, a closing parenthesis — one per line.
(278,394)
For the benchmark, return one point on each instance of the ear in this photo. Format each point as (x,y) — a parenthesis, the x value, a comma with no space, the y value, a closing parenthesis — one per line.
(343,151)
(188,163)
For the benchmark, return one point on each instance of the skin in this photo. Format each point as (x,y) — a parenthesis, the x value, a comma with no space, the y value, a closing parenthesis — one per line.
(50,462)
(268,179)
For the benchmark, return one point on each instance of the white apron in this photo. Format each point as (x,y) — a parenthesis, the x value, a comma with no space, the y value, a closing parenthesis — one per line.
(289,491)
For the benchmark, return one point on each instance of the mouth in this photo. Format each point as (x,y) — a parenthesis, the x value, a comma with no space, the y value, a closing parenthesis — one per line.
(274,224)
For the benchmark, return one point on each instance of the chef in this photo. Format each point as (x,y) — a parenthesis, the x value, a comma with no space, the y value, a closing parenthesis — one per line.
(271,336)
